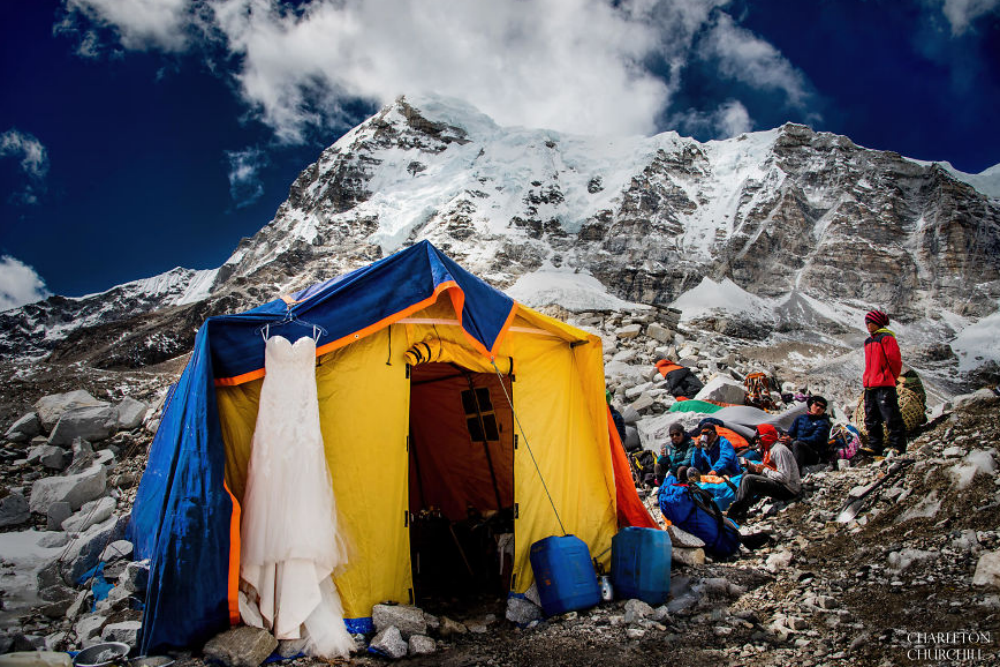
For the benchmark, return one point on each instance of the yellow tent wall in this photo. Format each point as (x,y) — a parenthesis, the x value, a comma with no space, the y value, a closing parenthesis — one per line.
(364,395)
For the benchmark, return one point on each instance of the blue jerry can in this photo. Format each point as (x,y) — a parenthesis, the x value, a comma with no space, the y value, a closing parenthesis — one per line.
(640,564)
(564,574)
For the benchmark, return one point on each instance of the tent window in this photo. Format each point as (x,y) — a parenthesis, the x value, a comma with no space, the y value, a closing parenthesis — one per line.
(475,403)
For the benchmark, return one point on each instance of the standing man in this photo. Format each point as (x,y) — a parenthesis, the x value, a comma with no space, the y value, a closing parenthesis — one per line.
(883,364)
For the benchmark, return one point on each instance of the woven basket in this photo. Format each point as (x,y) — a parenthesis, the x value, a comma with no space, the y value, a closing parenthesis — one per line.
(910,404)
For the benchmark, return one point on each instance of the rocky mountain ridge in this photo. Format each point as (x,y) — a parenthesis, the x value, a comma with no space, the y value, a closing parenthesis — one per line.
(808,219)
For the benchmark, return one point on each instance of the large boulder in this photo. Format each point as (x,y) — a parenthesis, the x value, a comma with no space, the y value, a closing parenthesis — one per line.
(51,408)
(126,632)
(73,489)
(241,646)
(721,389)
(91,423)
(131,413)
(988,570)
(14,510)
(24,429)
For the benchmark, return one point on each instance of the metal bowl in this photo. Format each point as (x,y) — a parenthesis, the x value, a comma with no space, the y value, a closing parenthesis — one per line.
(102,655)
(151,661)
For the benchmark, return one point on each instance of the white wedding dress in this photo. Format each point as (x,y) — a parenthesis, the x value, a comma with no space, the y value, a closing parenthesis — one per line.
(290,539)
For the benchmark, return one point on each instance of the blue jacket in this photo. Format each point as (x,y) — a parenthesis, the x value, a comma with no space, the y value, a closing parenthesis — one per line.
(721,458)
(813,430)
(720,537)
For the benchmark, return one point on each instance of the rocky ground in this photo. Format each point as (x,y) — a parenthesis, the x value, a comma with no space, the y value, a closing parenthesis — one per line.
(918,567)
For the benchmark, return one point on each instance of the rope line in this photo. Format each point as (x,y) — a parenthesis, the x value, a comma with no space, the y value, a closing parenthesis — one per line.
(526,444)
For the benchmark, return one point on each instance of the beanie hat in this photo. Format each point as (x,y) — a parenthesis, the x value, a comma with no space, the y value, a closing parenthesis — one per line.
(816,399)
(878,318)
(675,428)
(767,435)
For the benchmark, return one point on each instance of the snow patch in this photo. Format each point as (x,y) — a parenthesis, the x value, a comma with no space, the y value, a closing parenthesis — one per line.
(978,343)
(575,291)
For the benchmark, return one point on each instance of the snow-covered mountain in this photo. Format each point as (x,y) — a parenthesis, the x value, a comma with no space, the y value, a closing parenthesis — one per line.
(801,229)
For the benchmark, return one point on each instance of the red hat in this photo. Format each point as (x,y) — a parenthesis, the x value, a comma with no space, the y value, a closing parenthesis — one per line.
(768,435)
(878,318)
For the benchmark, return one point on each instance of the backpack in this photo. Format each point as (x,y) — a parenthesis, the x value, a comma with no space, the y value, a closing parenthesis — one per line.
(693,510)
(758,388)
(844,441)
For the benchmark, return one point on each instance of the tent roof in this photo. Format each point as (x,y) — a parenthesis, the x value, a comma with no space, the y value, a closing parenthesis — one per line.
(358,303)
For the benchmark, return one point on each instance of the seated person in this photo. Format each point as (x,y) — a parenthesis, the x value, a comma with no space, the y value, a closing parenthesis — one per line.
(714,454)
(674,454)
(777,477)
(723,490)
(809,436)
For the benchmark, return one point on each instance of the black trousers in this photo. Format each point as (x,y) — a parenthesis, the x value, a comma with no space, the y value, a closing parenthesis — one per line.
(882,407)
(805,455)
(753,487)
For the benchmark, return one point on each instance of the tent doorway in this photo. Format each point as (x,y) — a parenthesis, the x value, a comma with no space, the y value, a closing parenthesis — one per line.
(461,486)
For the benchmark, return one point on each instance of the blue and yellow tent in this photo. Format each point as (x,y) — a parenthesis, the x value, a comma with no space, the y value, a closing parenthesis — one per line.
(391,330)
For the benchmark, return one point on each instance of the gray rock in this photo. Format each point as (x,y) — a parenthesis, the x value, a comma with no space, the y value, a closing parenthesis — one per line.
(421,645)
(522,611)
(50,575)
(56,609)
(81,603)
(407,620)
(636,610)
(53,539)
(390,643)
(450,627)
(241,646)
(91,514)
(433,622)
(51,408)
(53,457)
(289,648)
(57,513)
(628,331)
(73,489)
(56,593)
(661,614)
(126,632)
(682,538)
(687,556)
(131,413)
(117,550)
(89,627)
(14,510)
(635,633)
(135,577)
(988,570)
(659,333)
(778,561)
(24,429)
(84,552)
(723,390)
(92,424)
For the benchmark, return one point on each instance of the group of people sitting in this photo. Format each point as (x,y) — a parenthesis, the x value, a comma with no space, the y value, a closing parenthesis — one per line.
(705,468)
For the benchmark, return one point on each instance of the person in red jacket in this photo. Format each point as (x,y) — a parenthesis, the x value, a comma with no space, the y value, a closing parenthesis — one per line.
(883,364)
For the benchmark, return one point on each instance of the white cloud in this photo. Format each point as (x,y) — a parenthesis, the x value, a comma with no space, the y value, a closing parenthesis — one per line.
(746,58)
(141,24)
(245,186)
(728,120)
(588,66)
(19,284)
(34,162)
(962,13)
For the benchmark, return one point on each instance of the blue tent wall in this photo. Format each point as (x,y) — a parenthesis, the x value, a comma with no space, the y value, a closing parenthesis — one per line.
(182,514)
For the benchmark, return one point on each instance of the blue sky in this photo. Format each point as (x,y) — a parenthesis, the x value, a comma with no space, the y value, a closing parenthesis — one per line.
(140,135)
